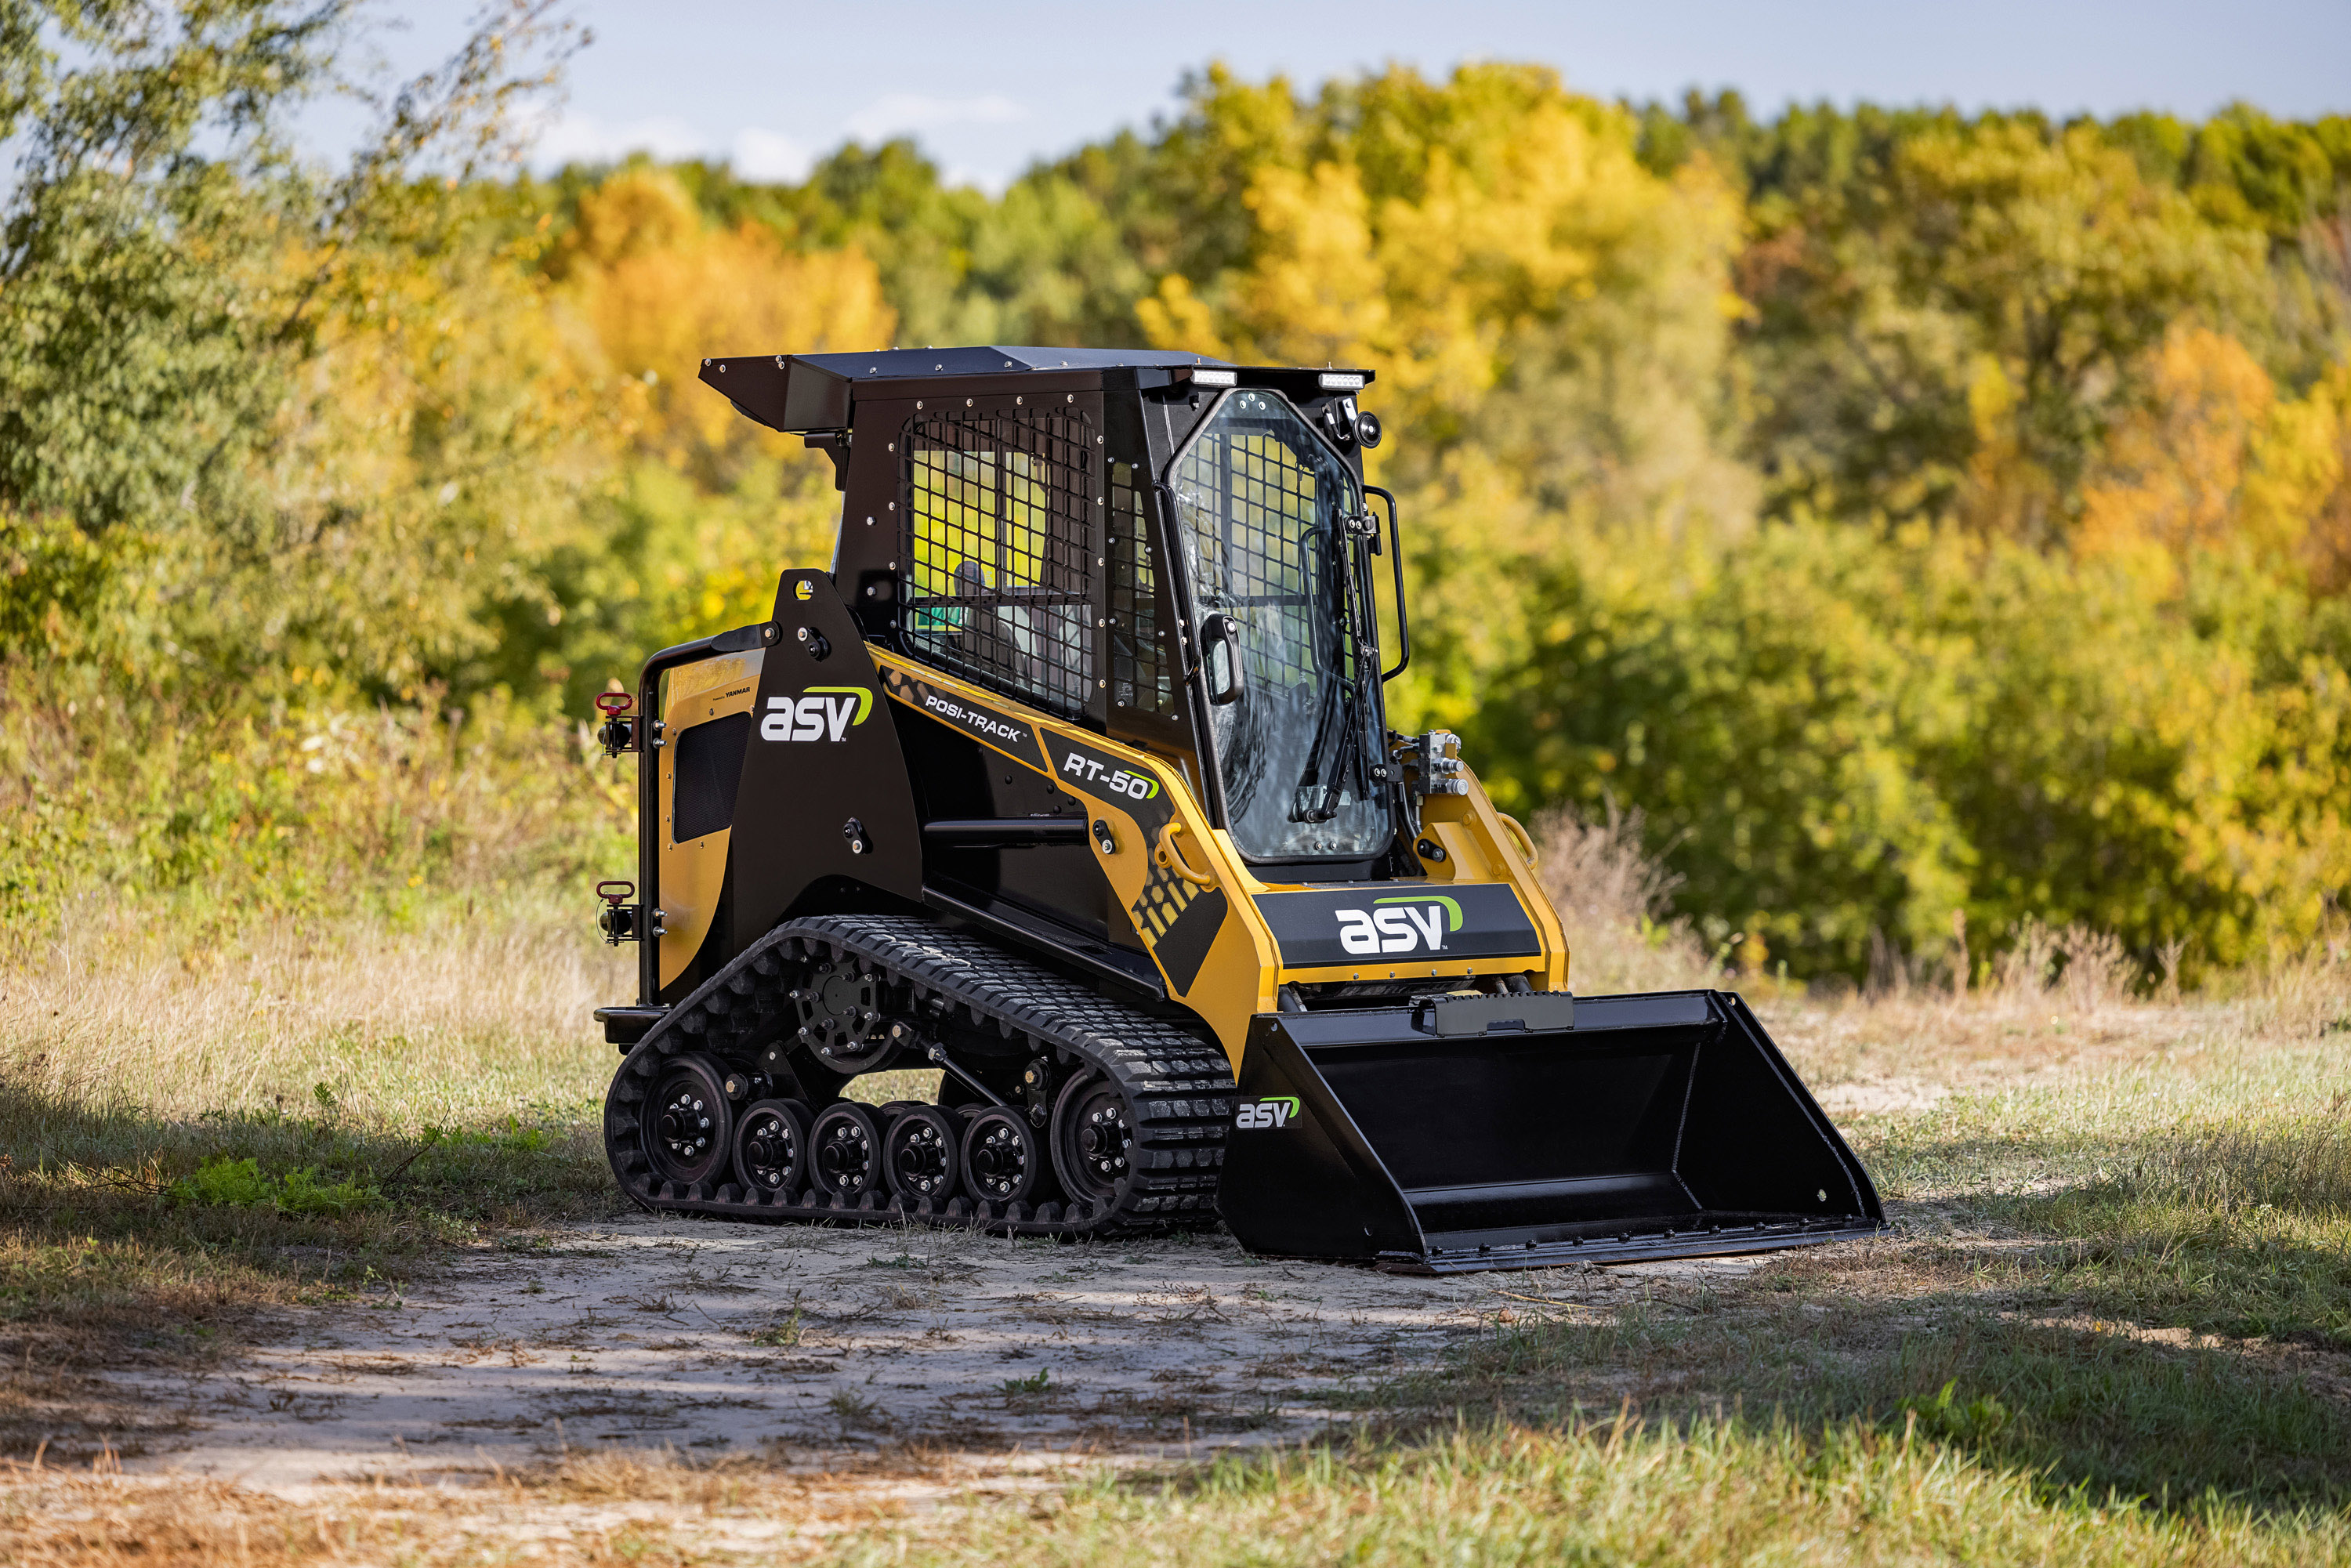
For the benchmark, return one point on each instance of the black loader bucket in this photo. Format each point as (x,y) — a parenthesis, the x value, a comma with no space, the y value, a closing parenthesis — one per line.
(1516,1132)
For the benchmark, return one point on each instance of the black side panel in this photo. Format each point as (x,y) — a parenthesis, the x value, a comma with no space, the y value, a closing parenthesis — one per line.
(1756,1139)
(1411,922)
(1185,946)
(821,751)
(1299,1178)
(709,772)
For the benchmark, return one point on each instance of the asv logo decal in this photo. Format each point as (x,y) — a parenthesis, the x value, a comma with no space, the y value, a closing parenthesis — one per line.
(1413,924)
(826,713)
(1278,1111)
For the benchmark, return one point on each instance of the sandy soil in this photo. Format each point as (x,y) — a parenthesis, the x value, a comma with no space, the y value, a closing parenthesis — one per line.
(806,1344)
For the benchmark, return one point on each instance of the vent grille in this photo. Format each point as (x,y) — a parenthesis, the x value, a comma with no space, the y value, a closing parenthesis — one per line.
(709,768)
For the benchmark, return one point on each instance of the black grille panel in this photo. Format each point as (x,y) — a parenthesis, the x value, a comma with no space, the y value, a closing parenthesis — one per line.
(999,540)
(709,768)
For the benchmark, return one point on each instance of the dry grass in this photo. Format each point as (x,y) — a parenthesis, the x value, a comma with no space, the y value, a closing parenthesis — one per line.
(2125,1244)
(408,1025)
(587,1510)
(1612,901)
(1605,1489)
(449,1072)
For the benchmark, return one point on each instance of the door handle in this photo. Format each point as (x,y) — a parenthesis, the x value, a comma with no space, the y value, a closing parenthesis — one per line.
(1222,631)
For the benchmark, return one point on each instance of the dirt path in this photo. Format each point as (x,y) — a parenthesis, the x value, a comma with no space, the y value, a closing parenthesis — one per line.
(797,1342)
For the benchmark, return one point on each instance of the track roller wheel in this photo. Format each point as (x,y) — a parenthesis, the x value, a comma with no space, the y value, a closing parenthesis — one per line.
(688,1125)
(922,1156)
(1001,1160)
(845,1152)
(771,1143)
(1094,1131)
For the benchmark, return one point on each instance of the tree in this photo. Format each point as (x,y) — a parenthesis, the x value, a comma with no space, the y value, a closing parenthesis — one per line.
(186,311)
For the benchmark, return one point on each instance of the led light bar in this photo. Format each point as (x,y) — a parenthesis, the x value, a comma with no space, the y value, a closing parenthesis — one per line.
(1216,378)
(1340,381)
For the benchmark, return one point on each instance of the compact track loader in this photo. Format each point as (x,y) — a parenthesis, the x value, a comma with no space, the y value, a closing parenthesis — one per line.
(1072,779)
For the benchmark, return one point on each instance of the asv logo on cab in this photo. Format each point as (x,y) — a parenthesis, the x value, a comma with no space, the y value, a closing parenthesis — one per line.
(1277,1112)
(826,713)
(1405,926)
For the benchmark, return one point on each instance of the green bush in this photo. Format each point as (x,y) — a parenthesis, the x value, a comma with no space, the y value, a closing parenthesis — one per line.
(223,1182)
(1835,737)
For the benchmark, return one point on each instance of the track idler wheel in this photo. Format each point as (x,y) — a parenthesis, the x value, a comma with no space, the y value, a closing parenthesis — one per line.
(845,1152)
(842,1019)
(1092,1136)
(771,1143)
(1001,1160)
(922,1154)
(688,1122)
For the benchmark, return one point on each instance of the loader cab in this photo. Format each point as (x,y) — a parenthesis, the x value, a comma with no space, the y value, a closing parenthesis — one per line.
(1265,526)
(1172,551)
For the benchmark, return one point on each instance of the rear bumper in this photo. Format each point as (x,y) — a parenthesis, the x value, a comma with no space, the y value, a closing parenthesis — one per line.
(625,1024)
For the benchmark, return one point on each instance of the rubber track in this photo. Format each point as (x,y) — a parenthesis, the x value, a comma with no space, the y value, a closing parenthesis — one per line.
(1180,1088)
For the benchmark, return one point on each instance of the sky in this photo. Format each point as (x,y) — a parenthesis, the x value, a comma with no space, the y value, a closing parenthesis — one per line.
(988,88)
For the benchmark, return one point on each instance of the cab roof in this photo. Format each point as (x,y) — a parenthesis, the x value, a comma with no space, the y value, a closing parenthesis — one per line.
(804,392)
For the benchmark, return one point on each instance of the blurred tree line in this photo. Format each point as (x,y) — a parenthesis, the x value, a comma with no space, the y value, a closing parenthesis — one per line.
(1928,520)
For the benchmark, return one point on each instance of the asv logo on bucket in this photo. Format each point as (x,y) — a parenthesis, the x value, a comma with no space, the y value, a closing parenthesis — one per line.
(826,713)
(1277,1112)
(1404,928)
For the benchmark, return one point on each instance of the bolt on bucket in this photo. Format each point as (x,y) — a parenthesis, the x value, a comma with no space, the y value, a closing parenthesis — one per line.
(1515,1132)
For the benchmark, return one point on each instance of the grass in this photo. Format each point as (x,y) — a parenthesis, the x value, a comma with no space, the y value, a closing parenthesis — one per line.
(313,1112)
(1607,1491)
(2114,1325)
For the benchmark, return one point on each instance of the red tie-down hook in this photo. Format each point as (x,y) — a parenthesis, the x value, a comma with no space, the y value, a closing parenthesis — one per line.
(619,732)
(618,919)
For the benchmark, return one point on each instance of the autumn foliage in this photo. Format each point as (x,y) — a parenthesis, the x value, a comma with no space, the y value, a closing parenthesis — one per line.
(1928,523)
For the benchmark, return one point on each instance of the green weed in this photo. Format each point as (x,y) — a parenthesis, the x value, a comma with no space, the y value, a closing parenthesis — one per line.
(783,1333)
(241,1184)
(1945,1417)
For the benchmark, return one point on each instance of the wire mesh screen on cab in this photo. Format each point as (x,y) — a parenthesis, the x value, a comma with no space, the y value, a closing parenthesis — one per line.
(1001,585)
(1140,676)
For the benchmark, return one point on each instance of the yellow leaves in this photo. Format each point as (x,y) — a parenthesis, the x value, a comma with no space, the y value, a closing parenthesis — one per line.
(1494,231)
(2216,462)
(661,293)
(2298,493)
(1176,318)
(1319,294)
(2172,472)
(634,213)
(1506,221)
(2007,492)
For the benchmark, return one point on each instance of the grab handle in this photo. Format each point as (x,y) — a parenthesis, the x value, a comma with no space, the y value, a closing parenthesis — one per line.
(1395,563)
(1168,855)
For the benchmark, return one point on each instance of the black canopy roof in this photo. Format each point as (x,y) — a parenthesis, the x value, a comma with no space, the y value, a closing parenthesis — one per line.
(802,392)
